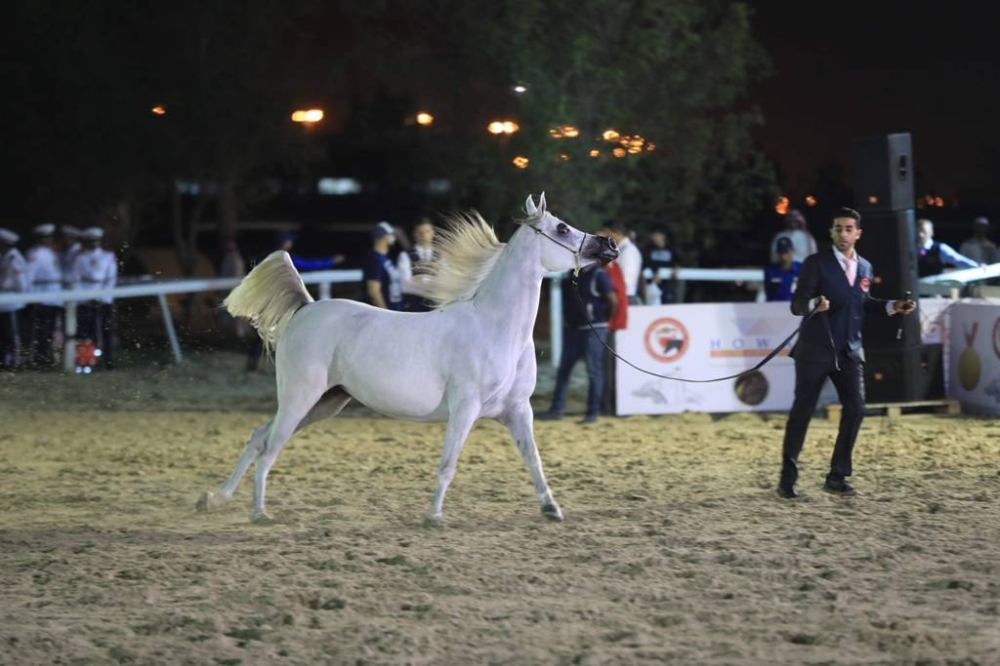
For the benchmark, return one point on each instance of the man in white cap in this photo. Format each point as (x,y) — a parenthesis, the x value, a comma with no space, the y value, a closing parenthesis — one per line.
(44,276)
(96,268)
(13,280)
(69,247)
(383,286)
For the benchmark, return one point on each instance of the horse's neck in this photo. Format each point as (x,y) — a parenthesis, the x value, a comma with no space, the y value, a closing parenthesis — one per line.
(511,292)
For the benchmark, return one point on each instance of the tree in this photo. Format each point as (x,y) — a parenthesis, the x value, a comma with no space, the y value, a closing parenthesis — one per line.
(654,87)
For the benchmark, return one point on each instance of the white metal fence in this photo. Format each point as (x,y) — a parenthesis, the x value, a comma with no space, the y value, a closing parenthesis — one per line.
(948,284)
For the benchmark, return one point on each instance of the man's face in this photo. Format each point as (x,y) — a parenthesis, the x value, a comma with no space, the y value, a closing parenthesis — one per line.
(659,239)
(924,232)
(423,234)
(844,233)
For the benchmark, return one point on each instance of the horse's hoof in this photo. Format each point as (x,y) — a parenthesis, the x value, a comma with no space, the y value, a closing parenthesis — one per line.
(260,518)
(434,520)
(552,512)
(209,501)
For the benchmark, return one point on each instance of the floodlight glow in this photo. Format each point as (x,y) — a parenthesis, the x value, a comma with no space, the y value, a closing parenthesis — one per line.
(307,116)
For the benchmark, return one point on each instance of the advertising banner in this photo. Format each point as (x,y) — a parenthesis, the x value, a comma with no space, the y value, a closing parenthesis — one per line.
(973,353)
(704,341)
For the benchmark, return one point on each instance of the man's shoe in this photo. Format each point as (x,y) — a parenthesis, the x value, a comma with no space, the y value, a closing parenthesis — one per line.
(589,418)
(787,492)
(839,487)
(548,416)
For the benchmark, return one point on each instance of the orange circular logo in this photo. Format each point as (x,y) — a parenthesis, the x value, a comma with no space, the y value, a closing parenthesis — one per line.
(666,340)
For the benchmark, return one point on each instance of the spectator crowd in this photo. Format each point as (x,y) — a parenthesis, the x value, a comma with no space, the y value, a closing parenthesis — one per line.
(58,258)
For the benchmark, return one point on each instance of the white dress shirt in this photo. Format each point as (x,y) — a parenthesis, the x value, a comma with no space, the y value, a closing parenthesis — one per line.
(13,277)
(44,272)
(630,260)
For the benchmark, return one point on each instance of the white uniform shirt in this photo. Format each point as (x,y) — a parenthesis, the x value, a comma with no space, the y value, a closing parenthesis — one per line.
(13,277)
(630,260)
(95,268)
(412,284)
(44,272)
(67,259)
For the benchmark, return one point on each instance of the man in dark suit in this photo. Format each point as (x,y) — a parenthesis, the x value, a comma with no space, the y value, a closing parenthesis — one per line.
(833,290)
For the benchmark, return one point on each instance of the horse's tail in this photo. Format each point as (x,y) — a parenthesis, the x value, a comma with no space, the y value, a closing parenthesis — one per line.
(268,296)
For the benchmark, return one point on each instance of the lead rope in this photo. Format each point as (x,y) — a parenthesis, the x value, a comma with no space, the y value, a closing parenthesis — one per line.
(774,352)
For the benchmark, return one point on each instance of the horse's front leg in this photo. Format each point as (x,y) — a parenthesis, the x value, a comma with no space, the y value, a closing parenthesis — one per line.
(460,422)
(520,422)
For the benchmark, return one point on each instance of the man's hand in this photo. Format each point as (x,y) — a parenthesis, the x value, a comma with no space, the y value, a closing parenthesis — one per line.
(822,305)
(904,306)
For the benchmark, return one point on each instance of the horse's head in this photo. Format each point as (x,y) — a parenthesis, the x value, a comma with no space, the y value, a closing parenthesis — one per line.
(570,247)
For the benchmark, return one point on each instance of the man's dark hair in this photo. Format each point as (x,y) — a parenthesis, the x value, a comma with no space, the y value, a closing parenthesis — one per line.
(846,212)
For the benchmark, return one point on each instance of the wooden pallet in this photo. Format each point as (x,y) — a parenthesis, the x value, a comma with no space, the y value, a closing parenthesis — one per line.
(897,409)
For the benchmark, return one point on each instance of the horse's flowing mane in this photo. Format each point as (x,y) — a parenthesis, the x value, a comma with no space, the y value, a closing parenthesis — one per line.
(467,248)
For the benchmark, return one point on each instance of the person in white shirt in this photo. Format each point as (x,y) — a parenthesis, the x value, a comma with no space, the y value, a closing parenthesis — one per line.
(629,258)
(933,256)
(69,247)
(797,231)
(96,268)
(979,247)
(13,280)
(44,272)
(412,263)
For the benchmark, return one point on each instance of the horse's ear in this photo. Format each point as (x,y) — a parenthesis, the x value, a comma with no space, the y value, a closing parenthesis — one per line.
(541,204)
(529,206)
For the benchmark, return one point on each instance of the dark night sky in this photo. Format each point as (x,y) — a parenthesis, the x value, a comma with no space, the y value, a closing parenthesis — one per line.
(848,69)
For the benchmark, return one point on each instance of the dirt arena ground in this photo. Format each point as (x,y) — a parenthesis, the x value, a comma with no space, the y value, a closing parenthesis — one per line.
(675,549)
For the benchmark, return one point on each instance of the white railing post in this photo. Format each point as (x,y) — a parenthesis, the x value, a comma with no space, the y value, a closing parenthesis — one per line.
(168,322)
(555,320)
(69,337)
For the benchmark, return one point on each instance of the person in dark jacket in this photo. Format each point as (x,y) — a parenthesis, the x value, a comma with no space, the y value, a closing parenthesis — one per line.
(780,276)
(587,307)
(833,290)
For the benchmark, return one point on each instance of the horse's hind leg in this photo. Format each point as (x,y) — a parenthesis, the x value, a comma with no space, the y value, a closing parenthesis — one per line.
(253,448)
(295,402)
(331,404)
(519,422)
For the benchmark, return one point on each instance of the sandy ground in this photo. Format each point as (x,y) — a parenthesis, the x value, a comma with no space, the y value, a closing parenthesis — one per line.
(675,549)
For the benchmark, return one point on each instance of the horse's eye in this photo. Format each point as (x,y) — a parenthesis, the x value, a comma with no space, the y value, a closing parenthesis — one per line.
(563,229)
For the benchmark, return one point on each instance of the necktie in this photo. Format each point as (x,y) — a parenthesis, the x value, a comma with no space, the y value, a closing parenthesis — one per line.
(850,270)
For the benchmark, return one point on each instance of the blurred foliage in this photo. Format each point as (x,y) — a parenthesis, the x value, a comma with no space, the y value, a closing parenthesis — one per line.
(673,72)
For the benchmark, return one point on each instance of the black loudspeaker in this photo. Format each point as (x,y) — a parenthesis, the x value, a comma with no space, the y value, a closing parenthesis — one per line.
(883,173)
(889,242)
(906,374)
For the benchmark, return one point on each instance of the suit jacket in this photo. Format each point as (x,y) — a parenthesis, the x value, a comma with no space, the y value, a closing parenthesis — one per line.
(839,328)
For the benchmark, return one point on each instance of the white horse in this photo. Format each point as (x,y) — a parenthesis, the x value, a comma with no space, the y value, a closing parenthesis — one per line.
(472,357)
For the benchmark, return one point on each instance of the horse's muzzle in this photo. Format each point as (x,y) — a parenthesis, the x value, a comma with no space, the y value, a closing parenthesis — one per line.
(607,249)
